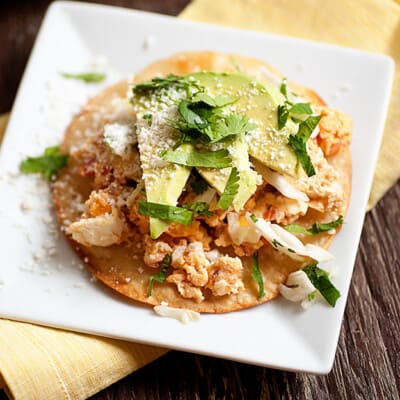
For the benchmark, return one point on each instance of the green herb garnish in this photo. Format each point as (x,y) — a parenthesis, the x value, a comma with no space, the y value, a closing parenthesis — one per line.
(48,165)
(166,212)
(203,120)
(300,109)
(317,227)
(230,191)
(253,218)
(206,159)
(162,275)
(148,118)
(283,87)
(180,82)
(257,276)
(231,125)
(88,77)
(283,115)
(218,101)
(298,142)
(320,279)
(311,295)
(200,208)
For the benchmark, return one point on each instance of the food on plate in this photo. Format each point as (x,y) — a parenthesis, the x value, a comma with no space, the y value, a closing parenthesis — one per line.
(205,184)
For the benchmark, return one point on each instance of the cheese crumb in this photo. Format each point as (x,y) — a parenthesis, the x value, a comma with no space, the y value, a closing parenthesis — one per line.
(181,314)
(120,137)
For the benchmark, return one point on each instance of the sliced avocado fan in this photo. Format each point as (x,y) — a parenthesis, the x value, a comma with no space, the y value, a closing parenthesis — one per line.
(164,182)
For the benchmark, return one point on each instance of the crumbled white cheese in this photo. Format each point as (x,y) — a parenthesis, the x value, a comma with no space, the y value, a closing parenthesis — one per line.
(149,42)
(298,287)
(120,137)
(181,314)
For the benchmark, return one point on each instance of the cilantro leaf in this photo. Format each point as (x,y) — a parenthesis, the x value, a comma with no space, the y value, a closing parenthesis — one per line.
(283,115)
(206,159)
(162,275)
(257,276)
(283,87)
(300,149)
(218,101)
(300,109)
(230,191)
(166,212)
(320,279)
(158,83)
(299,140)
(88,77)
(317,227)
(204,121)
(192,119)
(231,125)
(48,165)
(148,118)
(253,218)
(200,208)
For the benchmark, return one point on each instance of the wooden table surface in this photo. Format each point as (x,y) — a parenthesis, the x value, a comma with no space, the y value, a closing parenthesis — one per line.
(367,364)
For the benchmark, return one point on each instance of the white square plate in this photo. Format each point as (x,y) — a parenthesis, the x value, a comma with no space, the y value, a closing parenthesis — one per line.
(53,290)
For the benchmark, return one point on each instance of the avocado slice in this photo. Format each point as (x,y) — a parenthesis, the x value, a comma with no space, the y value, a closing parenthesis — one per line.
(164,182)
(248,177)
(259,103)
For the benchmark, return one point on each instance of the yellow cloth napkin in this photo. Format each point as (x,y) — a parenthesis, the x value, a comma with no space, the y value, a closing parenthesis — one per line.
(44,363)
(372,25)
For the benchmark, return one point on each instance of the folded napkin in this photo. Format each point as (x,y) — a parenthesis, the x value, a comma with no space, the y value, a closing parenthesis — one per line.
(44,363)
(372,25)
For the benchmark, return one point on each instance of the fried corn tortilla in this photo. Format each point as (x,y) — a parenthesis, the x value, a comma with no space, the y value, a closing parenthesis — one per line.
(121,266)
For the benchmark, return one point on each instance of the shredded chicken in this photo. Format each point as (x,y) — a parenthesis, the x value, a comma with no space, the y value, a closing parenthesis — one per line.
(323,189)
(104,230)
(334,130)
(225,276)
(185,288)
(193,261)
(155,251)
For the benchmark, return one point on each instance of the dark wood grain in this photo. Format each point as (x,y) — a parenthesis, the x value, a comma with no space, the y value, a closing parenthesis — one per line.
(367,364)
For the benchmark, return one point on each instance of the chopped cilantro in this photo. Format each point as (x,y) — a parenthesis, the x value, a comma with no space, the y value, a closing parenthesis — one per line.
(253,218)
(298,142)
(311,295)
(48,165)
(300,109)
(317,227)
(166,212)
(157,83)
(218,101)
(200,208)
(283,87)
(148,118)
(256,274)
(283,115)
(88,77)
(288,109)
(206,159)
(231,125)
(202,119)
(320,279)
(162,275)
(230,191)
